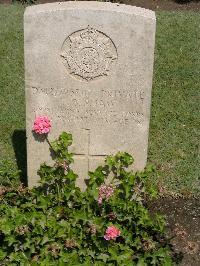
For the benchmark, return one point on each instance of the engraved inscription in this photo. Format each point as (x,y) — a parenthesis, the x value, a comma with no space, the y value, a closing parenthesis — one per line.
(129,95)
(88,54)
(91,108)
(91,117)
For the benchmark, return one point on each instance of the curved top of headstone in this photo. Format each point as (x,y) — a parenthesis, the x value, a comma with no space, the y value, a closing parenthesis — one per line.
(91,5)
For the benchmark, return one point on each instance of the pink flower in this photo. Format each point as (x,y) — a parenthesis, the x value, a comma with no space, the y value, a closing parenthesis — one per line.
(41,125)
(112,232)
(105,192)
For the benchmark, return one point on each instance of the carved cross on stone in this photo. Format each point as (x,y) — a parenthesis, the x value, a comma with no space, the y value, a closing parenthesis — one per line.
(87,155)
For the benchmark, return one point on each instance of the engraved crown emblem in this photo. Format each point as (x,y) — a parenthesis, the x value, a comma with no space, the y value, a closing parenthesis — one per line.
(88,54)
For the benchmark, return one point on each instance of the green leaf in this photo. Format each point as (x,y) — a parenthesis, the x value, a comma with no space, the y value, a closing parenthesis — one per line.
(104,257)
(3,254)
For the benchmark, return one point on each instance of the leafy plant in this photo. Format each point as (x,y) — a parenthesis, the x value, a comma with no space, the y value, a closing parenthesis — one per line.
(107,224)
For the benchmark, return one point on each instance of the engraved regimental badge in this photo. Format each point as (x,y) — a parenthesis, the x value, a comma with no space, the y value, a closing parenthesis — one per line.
(88,54)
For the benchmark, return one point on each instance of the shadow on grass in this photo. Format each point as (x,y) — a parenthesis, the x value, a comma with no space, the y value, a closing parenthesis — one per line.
(19,146)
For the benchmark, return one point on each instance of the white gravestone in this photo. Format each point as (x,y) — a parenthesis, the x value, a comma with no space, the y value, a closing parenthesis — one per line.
(89,68)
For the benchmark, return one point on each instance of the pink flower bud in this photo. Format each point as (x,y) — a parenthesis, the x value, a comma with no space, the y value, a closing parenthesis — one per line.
(105,192)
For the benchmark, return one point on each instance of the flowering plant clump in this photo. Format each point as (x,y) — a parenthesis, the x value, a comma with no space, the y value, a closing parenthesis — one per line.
(107,224)
(112,232)
(41,125)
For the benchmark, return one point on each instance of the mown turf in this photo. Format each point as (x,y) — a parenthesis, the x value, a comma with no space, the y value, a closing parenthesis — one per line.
(12,97)
(175,113)
(174,129)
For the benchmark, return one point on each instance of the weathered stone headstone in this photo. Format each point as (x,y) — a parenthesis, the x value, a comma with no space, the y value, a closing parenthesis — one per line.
(89,68)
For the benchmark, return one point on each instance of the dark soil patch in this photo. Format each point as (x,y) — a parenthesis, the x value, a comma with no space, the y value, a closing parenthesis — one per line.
(183,224)
(149,4)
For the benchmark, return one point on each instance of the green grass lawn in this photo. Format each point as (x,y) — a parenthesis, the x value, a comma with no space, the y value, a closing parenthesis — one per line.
(175,114)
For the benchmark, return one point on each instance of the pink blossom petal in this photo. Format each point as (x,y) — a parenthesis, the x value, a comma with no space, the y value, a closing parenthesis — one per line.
(42,125)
